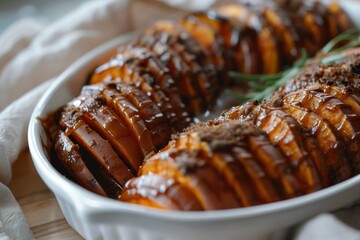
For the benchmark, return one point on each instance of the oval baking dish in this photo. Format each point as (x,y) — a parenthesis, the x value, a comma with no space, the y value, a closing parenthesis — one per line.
(97,217)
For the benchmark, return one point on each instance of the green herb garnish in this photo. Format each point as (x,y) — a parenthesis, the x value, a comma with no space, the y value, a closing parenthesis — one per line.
(263,85)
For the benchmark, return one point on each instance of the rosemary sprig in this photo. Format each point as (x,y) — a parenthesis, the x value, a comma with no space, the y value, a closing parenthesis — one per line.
(351,34)
(263,85)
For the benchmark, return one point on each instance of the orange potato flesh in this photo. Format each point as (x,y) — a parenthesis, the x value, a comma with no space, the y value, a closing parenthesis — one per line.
(263,184)
(72,161)
(101,150)
(110,127)
(288,40)
(226,166)
(331,21)
(317,31)
(159,74)
(343,21)
(246,54)
(217,169)
(352,100)
(270,56)
(308,145)
(224,193)
(339,115)
(196,56)
(267,47)
(230,34)
(328,25)
(329,143)
(241,52)
(236,177)
(187,171)
(285,132)
(221,26)
(154,189)
(312,147)
(208,37)
(154,119)
(275,166)
(129,115)
(147,73)
(179,69)
(241,171)
(185,198)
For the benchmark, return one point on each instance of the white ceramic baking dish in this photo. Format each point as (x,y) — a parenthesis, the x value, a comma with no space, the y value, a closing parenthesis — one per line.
(96,217)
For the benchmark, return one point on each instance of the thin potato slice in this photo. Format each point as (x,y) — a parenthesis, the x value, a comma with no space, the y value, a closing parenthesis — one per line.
(101,150)
(151,190)
(208,37)
(154,119)
(71,159)
(285,33)
(352,100)
(262,183)
(184,167)
(267,47)
(146,72)
(179,69)
(338,114)
(275,166)
(159,74)
(196,56)
(221,183)
(109,126)
(343,21)
(129,115)
(285,132)
(329,142)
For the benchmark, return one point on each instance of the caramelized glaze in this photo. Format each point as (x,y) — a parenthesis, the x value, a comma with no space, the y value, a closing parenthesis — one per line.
(113,138)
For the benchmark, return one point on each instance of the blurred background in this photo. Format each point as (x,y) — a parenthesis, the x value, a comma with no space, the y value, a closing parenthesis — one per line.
(45,11)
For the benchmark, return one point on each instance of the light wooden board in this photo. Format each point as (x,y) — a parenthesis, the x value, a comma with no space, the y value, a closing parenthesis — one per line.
(38,203)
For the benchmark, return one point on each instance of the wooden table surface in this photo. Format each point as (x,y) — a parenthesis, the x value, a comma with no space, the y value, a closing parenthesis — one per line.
(38,202)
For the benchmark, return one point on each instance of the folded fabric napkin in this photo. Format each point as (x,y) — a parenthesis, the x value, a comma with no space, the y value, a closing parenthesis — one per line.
(31,55)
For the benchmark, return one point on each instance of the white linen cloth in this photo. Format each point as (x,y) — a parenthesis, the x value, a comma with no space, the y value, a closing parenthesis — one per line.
(31,55)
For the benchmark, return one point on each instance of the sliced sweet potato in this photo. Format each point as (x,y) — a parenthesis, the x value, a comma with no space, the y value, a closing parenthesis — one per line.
(288,38)
(179,69)
(264,186)
(110,126)
(266,42)
(275,166)
(285,132)
(343,21)
(188,170)
(195,55)
(154,119)
(144,71)
(71,159)
(217,175)
(129,115)
(329,142)
(101,150)
(209,38)
(352,100)
(150,190)
(145,61)
(344,121)
(313,148)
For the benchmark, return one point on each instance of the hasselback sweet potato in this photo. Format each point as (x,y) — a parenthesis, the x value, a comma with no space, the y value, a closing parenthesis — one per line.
(113,138)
